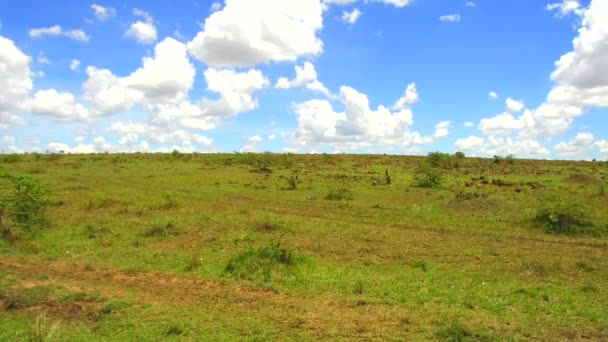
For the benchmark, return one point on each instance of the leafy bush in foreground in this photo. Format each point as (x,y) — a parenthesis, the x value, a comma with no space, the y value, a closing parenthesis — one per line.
(262,262)
(565,217)
(22,204)
(427,177)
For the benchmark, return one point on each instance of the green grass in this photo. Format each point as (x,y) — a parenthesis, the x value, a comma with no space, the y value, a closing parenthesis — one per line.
(155,247)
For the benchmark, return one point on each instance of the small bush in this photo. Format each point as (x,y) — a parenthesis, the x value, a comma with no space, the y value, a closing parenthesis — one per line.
(22,205)
(456,331)
(459,155)
(293,182)
(427,177)
(10,158)
(563,216)
(161,229)
(271,223)
(358,288)
(115,305)
(262,163)
(437,159)
(193,263)
(510,159)
(263,262)
(94,231)
(168,202)
(339,194)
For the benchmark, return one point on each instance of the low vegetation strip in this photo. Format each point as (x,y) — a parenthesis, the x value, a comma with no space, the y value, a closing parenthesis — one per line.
(312,247)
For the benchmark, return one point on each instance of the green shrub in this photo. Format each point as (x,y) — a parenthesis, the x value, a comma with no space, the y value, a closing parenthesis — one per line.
(261,262)
(437,159)
(262,163)
(10,158)
(427,177)
(565,216)
(22,204)
(459,155)
(161,229)
(339,194)
(456,331)
(292,182)
(115,305)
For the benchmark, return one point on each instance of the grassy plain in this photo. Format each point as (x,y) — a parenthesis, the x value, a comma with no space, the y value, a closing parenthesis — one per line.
(235,247)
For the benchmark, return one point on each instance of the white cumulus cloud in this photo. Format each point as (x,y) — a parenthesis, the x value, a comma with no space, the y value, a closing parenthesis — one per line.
(352,16)
(245,33)
(306,76)
(57,30)
(15,82)
(143,31)
(103,13)
(451,18)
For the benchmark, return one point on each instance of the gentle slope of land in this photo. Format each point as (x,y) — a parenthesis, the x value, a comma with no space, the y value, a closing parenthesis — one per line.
(306,247)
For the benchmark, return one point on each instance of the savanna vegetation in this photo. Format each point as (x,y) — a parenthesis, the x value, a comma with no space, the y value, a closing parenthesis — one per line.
(259,247)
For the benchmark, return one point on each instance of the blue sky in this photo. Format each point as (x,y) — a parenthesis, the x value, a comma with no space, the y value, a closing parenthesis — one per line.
(528,78)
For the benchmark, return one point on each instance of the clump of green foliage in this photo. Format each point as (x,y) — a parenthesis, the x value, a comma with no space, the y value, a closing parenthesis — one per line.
(459,155)
(22,205)
(292,181)
(438,159)
(562,216)
(161,229)
(427,177)
(261,262)
(456,331)
(443,160)
(10,158)
(262,163)
(339,194)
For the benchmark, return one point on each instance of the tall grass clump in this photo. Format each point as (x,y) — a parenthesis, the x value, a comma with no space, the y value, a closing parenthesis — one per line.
(339,194)
(43,330)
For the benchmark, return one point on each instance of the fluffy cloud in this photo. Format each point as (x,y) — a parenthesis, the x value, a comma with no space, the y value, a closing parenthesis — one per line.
(501,146)
(514,106)
(578,82)
(245,33)
(252,144)
(165,78)
(352,16)
(103,13)
(565,7)
(61,106)
(410,96)
(306,76)
(451,18)
(504,123)
(492,95)
(142,31)
(442,130)
(74,64)
(358,126)
(133,132)
(469,124)
(15,82)
(577,147)
(396,3)
(602,146)
(57,30)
